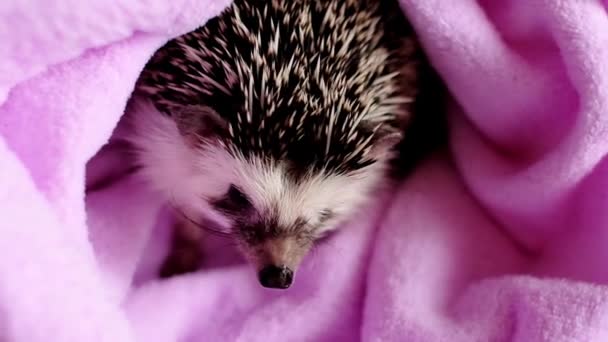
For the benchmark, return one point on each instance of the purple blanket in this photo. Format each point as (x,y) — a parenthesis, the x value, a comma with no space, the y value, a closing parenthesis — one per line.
(504,238)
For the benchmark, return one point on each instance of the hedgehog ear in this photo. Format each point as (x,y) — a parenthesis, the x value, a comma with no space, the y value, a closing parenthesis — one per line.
(198,123)
(385,144)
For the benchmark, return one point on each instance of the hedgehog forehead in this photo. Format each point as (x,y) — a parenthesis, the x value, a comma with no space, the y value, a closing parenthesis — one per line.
(278,196)
(303,150)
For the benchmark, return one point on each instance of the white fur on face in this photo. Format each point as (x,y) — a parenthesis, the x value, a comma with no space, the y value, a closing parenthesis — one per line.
(191,177)
(269,187)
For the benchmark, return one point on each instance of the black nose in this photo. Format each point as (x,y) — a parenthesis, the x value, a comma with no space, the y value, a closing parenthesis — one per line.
(277,277)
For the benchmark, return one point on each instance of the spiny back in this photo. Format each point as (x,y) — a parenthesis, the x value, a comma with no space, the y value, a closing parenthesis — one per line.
(311,82)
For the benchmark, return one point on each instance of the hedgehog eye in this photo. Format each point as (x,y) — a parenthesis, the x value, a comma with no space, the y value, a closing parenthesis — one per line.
(233,202)
(237,197)
(325,215)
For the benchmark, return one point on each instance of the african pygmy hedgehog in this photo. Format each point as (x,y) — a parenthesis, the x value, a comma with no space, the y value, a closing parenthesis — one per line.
(274,122)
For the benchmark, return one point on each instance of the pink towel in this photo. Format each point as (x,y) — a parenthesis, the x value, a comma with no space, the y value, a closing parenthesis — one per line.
(504,238)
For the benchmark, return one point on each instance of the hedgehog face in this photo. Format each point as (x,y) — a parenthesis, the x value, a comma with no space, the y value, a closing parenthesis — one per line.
(277,216)
(275,210)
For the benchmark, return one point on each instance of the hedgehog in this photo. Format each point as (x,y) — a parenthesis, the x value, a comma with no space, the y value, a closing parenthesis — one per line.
(274,123)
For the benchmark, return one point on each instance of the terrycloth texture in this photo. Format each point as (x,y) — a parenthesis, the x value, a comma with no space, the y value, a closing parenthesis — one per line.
(508,242)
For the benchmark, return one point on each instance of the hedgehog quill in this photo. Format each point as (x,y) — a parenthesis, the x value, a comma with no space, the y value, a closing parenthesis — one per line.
(274,122)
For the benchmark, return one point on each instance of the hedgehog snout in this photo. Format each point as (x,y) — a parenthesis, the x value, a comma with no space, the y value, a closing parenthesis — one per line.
(276,261)
(277,277)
